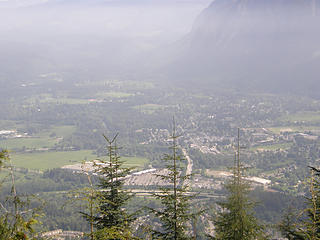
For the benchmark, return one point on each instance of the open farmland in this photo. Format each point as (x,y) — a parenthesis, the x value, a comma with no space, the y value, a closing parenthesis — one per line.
(34,142)
(278,130)
(150,108)
(49,160)
(134,161)
(303,117)
(45,139)
(273,147)
(114,95)
(48,98)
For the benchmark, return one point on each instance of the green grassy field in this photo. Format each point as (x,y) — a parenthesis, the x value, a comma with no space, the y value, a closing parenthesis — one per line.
(19,143)
(47,98)
(134,161)
(114,95)
(149,108)
(278,130)
(137,85)
(281,164)
(42,140)
(65,100)
(200,96)
(307,117)
(49,160)
(272,147)
(7,124)
(62,131)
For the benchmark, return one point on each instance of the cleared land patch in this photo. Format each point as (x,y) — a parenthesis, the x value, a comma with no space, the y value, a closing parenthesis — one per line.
(149,108)
(47,98)
(45,139)
(273,147)
(33,142)
(49,160)
(134,161)
(278,130)
(141,85)
(306,117)
(114,95)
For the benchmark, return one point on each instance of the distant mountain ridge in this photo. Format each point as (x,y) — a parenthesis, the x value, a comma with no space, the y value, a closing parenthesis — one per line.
(32,3)
(259,44)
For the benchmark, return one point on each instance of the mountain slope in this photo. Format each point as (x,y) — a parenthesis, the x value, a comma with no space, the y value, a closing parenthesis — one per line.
(260,44)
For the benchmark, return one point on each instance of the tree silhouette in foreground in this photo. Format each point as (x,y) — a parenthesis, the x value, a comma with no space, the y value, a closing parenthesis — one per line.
(306,225)
(288,224)
(113,221)
(236,220)
(17,220)
(175,215)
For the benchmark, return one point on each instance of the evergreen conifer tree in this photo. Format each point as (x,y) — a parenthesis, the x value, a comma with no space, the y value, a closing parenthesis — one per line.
(236,220)
(288,225)
(175,215)
(2,157)
(113,221)
(306,225)
(310,226)
(16,219)
(89,196)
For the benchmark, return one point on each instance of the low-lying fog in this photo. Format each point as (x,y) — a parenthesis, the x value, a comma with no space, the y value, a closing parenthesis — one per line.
(265,44)
(92,36)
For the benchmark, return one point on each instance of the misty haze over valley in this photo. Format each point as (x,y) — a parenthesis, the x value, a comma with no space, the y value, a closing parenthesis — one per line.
(89,39)
(239,77)
(257,45)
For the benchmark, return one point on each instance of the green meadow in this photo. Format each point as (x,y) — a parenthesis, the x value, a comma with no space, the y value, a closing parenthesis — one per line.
(136,162)
(149,108)
(31,143)
(45,139)
(305,116)
(273,147)
(50,160)
(48,98)
(291,128)
(114,95)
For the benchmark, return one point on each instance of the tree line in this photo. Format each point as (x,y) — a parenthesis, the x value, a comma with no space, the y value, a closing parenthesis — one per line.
(108,217)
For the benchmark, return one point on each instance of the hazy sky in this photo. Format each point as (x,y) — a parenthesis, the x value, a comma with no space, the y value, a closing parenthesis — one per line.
(95,36)
(154,21)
